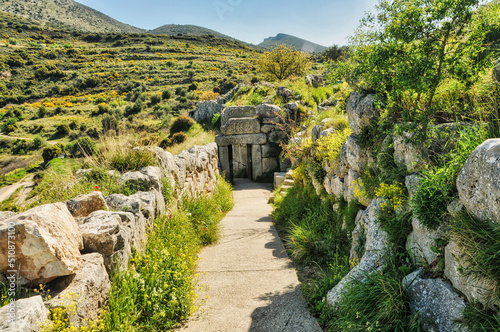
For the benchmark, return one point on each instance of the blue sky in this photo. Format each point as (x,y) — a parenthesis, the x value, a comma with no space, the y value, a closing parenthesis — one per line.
(320,21)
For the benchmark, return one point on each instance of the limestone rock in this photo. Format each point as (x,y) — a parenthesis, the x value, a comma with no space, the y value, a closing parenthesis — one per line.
(241,126)
(496,71)
(473,289)
(267,128)
(360,110)
(88,289)
(48,243)
(104,233)
(268,111)
(270,165)
(145,179)
(4,215)
(375,252)
(148,205)
(284,92)
(350,185)
(168,165)
(436,302)
(409,155)
(478,182)
(292,107)
(82,172)
(420,243)
(223,140)
(256,162)
(315,80)
(342,167)
(138,206)
(232,112)
(29,314)
(83,205)
(315,132)
(326,132)
(357,157)
(412,182)
(206,109)
(334,185)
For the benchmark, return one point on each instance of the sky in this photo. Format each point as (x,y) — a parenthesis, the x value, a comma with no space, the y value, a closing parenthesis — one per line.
(320,21)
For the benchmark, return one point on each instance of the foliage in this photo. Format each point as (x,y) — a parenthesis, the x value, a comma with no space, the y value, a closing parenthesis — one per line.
(283,62)
(52,152)
(83,147)
(476,318)
(182,123)
(178,138)
(328,147)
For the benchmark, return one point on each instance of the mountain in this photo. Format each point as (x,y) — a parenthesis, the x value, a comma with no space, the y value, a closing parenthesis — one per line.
(298,43)
(194,30)
(67,13)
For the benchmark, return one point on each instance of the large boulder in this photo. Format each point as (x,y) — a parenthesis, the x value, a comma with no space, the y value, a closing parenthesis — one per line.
(375,254)
(496,71)
(47,243)
(315,80)
(438,305)
(83,205)
(422,243)
(241,126)
(233,112)
(409,155)
(206,109)
(167,162)
(268,111)
(357,158)
(476,290)
(103,232)
(361,110)
(88,289)
(144,179)
(25,315)
(139,206)
(478,182)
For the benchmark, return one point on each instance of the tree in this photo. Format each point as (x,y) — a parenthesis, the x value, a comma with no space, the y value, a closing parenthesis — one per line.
(408,49)
(283,62)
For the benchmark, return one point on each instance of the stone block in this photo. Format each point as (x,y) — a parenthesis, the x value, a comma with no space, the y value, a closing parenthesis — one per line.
(83,205)
(241,126)
(268,111)
(256,139)
(29,315)
(233,112)
(269,164)
(256,161)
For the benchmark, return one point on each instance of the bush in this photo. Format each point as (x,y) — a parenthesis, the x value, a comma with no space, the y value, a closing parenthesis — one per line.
(182,123)
(155,99)
(178,138)
(166,95)
(52,152)
(62,129)
(83,147)
(192,87)
(132,160)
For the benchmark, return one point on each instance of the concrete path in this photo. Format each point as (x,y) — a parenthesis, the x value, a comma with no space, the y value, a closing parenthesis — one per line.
(247,276)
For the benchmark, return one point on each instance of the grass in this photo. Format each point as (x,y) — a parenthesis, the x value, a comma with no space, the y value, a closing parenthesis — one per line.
(158,291)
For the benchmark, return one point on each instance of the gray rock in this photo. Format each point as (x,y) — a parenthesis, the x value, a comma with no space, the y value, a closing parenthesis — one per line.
(148,205)
(83,205)
(284,92)
(206,109)
(233,112)
(268,111)
(375,252)
(293,107)
(88,289)
(82,172)
(455,207)
(315,80)
(409,155)
(257,167)
(437,304)
(267,128)
(421,241)
(334,185)
(270,121)
(342,166)
(47,243)
(241,126)
(4,215)
(476,290)
(315,132)
(496,71)
(104,233)
(270,164)
(350,184)
(360,110)
(223,140)
(277,137)
(412,182)
(327,132)
(147,178)
(357,158)
(478,182)
(28,315)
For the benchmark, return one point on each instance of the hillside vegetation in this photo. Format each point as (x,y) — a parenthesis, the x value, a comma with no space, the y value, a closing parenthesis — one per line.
(186,29)
(67,13)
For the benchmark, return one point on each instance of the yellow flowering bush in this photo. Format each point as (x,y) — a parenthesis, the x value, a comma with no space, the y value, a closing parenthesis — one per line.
(395,193)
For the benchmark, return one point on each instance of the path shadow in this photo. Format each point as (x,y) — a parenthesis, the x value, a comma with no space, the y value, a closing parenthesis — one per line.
(245,184)
(286,312)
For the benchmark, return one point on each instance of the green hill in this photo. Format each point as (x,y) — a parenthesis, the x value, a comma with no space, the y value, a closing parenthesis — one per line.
(298,43)
(67,13)
(193,30)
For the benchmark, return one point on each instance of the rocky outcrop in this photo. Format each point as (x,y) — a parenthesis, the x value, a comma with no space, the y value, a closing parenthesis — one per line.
(409,155)
(478,182)
(205,110)
(375,251)
(25,315)
(47,243)
(357,158)
(83,205)
(315,80)
(361,110)
(438,305)
(422,243)
(88,287)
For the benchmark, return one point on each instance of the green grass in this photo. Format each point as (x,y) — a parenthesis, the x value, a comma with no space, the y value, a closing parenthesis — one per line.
(476,318)
(158,291)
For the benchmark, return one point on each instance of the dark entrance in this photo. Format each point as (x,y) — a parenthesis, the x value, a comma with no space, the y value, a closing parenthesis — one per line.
(249,161)
(231,167)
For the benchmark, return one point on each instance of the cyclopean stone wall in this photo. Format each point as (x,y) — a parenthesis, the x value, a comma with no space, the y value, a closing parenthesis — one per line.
(75,245)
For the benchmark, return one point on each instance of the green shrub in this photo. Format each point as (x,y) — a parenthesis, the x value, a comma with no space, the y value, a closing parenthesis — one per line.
(178,138)
(132,160)
(166,95)
(83,147)
(62,129)
(155,99)
(182,123)
(52,152)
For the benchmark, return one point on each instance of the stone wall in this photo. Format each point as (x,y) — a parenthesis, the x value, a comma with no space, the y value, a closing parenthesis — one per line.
(206,109)
(254,134)
(77,244)
(479,190)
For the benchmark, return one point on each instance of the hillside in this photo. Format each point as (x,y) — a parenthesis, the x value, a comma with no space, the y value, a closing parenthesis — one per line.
(66,13)
(298,43)
(184,29)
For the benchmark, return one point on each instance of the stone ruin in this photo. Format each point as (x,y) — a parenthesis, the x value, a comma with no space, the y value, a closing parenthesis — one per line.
(249,145)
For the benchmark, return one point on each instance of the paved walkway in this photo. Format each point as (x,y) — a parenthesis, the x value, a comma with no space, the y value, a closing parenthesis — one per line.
(248,277)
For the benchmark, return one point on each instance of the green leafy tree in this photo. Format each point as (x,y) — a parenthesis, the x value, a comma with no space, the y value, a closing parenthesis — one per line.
(410,47)
(283,62)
